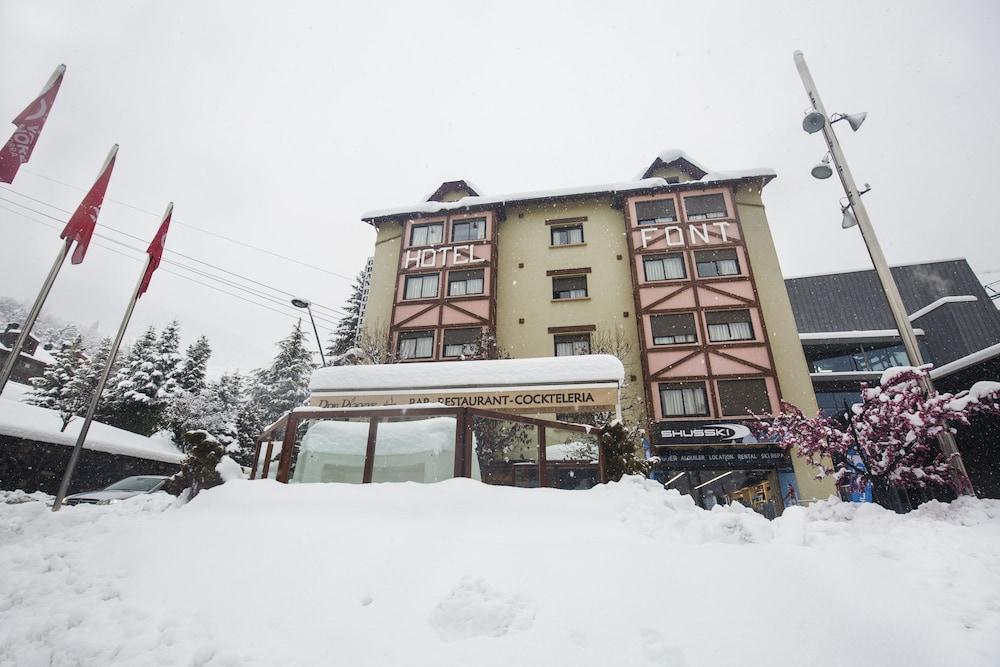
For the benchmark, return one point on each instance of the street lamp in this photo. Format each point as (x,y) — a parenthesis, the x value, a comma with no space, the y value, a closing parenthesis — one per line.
(855,213)
(305,303)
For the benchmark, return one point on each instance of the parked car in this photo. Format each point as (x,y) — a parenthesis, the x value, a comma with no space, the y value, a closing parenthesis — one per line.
(120,490)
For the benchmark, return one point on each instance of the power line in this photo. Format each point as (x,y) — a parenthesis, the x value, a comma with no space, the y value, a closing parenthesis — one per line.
(179,275)
(335,311)
(203,231)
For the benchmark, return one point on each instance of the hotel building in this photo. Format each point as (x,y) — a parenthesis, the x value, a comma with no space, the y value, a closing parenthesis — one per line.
(674,272)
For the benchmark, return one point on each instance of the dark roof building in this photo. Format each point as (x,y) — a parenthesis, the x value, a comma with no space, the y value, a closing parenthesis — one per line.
(848,336)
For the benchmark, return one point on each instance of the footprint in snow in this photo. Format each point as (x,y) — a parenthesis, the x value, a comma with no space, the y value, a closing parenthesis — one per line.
(476,609)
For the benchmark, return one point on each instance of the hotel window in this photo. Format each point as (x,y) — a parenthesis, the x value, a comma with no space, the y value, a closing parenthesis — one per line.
(567,235)
(460,342)
(722,262)
(664,267)
(569,288)
(421,287)
(461,283)
(416,345)
(427,234)
(729,325)
(656,212)
(468,230)
(739,396)
(683,400)
(705,207)
(567,346)
(673,329)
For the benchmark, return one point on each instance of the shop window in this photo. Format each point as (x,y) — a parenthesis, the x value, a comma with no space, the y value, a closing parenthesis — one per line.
(722,262)
(468,230)
(675,329)
(421,287)
(568,346)
(461,342)
(462,283)
(656,212)
(427,234)
(567,235)
(664,267)
(729,325)
(705,207)
(683,400)
(739,396)
(416,345)
(569,288)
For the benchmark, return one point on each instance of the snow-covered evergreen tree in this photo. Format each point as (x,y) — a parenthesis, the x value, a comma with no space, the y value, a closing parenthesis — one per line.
(191,376)
(198,470)
(85,382)
(346,334)
(56,389)
(133,396)
(285,384)
(215,410)
(167,363)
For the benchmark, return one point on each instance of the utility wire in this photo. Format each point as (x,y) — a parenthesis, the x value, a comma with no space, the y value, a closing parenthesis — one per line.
(204,231)
(335,311)
(285,313)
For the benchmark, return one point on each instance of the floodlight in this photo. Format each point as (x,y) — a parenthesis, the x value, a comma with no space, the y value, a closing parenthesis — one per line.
(822,170)
(813,122)
(849,219)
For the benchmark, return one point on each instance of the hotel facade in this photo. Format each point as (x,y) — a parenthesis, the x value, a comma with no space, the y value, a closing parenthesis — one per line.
(674,272)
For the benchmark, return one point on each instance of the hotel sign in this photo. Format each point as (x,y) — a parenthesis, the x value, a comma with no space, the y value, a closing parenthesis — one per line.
(701,433)
(573,398)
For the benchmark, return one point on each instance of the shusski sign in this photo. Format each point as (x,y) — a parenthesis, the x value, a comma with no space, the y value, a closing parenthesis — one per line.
(679,433)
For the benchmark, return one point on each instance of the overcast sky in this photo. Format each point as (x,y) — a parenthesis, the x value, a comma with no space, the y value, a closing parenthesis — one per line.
(279,123)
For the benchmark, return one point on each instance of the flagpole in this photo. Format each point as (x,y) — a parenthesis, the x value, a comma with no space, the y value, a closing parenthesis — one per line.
(96,398)
(29,321)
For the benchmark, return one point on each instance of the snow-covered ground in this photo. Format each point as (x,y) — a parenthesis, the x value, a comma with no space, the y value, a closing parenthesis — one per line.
(458,573)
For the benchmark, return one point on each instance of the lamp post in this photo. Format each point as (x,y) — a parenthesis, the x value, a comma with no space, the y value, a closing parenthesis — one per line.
(816,121)
(305,303)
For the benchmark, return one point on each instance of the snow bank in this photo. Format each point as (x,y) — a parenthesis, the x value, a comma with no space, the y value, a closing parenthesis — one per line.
(479,373)
(34,423)
(459,573)
(15,391)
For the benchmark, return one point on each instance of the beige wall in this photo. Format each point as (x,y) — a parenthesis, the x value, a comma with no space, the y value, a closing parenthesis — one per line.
(789,360)
(383,285)
(526,292)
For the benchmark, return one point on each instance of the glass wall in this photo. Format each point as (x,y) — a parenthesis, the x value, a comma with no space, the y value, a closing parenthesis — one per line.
(858,358)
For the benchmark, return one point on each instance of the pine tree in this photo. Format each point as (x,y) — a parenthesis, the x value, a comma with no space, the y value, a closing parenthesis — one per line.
(85,382)
(285,384)
(167,363)
(620,446)
(214,410)
(191,376)
(133,402)
(198,470)
(56,389)
(346,334)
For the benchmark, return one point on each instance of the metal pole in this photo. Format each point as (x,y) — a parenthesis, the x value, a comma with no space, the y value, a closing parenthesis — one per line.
(316,331)
(945,440)
(29,322)
(96,398)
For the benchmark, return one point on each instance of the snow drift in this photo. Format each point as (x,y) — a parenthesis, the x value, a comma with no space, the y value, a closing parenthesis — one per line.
(459,573)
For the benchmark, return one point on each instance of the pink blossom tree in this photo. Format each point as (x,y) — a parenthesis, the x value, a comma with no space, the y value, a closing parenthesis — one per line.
(890,436)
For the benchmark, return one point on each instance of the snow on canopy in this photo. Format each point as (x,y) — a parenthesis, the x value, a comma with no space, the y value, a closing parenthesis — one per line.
(706,177)
(490,372)
(420,450)
(20,420)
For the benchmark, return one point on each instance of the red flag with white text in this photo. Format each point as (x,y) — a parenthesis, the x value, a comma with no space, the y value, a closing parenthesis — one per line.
(81,226)
(18,149)
(155,249)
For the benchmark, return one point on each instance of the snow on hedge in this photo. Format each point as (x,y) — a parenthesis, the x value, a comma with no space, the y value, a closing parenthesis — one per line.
(30,422)
(497,373)
(459,573)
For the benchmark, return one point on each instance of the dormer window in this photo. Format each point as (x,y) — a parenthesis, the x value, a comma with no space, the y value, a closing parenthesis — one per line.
(428,234)
(656,212)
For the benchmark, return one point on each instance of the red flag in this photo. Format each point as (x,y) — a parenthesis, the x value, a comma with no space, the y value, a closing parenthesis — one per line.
(17,150)
(81,226)
(155,249)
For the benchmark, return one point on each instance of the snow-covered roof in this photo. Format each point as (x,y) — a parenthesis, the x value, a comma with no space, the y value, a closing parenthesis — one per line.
(872,333)
(672,156)
(41,355)
(31,422)
(481,373)
(431,207)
